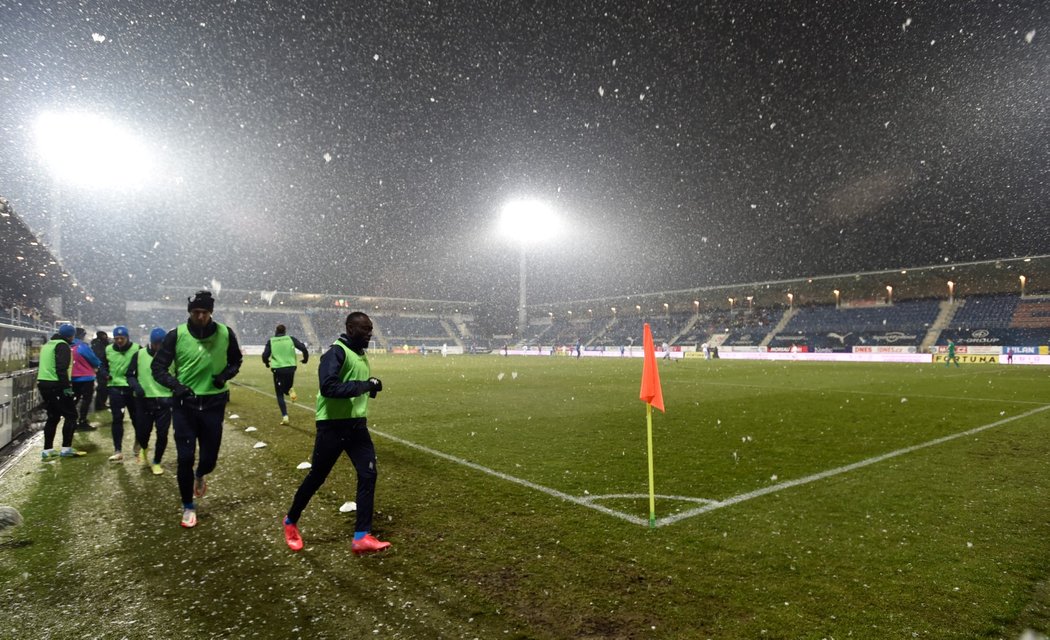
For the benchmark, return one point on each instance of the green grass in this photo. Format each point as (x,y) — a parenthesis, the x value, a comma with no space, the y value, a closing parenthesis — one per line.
(948,541)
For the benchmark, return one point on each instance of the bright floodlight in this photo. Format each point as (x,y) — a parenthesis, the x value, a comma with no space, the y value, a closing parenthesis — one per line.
(528,221)
(90,151)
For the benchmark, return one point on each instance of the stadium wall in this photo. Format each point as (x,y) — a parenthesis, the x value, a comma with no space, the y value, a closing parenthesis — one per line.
(19,357)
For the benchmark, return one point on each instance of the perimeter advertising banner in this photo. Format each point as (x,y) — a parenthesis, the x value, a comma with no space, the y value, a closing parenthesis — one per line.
(968,358)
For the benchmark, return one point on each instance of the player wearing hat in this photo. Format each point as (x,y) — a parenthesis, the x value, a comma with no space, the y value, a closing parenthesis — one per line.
(118,358)
(153,402)
(52,380)
(206,356)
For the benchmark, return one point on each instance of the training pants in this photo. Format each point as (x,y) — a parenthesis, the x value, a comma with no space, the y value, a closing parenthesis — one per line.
(119,399)
(153,412)
(283,381)
(83,392)
(196,424)
(331,441)
(59,406)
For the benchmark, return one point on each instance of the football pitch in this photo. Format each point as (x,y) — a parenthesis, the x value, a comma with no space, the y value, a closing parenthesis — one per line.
(794,500)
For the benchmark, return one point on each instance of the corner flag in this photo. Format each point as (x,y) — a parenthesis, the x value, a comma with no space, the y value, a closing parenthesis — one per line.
(651,392)
(653,396)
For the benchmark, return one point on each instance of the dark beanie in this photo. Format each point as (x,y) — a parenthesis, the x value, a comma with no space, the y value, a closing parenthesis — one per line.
(201,300)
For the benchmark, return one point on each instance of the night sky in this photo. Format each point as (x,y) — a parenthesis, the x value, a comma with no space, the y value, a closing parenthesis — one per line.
(367,147)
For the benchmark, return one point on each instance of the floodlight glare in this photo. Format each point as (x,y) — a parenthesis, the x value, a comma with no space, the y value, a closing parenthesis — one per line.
(528,221)
(90,151)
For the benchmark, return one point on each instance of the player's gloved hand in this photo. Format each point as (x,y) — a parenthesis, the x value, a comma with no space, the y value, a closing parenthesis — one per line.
(68,392)
(182,391)
(218,381)
(376,385)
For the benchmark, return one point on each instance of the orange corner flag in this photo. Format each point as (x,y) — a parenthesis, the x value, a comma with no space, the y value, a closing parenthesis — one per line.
(651,391)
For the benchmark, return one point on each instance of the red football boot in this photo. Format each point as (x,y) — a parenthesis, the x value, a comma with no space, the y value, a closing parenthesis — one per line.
(292,537)
(368,544)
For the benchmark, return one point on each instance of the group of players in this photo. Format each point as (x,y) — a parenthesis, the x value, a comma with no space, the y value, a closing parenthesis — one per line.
(182,379)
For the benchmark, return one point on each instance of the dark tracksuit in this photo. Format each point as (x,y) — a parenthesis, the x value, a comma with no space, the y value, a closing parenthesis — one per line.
(58,398)
(197,420)
(335,437)
(151,411)
(284,377)
(120,397)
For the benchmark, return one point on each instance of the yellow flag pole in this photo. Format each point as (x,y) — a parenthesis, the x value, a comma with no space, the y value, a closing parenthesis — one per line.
(652,489)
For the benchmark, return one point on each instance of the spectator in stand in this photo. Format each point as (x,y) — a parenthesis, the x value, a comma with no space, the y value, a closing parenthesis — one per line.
(52,380)
(118,358)
(86,365)
(279,357)
(98,347)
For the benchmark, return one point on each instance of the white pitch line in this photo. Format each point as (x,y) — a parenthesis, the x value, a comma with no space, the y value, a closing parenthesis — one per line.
(838,470)
(867,393)
(710,505)
(492,472)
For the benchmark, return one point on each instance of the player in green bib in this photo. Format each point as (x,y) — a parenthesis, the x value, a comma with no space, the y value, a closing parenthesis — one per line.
(279,357)
(56,390)
(346,384)
(153,401)
(121,398)
(205,355)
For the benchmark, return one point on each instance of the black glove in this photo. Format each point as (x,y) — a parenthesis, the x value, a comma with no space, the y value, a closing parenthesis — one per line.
(376,386)
(182,391)
(139,393)
(218,381)
(303,361)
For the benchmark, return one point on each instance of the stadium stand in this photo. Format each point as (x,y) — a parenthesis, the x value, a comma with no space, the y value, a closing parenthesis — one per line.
(827,328)
(1000,320)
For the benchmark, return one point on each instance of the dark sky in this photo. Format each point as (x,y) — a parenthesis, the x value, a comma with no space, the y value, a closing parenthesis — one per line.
(367,147)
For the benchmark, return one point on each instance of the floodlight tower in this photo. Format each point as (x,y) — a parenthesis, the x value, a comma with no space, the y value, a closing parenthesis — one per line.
(88,151)
(526,222)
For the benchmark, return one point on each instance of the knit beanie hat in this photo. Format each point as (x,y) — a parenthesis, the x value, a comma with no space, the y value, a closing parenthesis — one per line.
(120,330)
(67,331)
(201,300)
(157,335)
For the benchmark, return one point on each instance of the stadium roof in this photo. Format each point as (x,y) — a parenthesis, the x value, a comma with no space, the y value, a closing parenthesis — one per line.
(971,278)
(28,269)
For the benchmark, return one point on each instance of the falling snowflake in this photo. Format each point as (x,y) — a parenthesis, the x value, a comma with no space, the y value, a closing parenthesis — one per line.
(1028,37)
(98,37)
(327,157)
(601,90)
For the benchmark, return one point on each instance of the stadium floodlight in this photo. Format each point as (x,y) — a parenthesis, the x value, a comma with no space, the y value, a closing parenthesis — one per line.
(837,294)
(527,222)
(88,150)
(791,300)
(1023,281)
(889,294)
(951,292)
